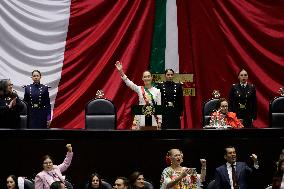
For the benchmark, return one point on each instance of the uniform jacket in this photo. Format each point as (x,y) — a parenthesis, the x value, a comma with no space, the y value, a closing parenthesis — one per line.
(243,96)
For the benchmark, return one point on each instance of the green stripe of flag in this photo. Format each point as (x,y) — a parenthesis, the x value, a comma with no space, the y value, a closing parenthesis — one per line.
(157,61)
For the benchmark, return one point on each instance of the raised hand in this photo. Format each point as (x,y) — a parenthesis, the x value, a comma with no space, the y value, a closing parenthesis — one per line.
(254,157)
(12,103)
(203,163)
(118,65)
(69,147)
(186,171)
(119,68)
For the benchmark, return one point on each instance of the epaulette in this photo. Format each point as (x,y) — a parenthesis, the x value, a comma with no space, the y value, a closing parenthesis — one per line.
(47,86)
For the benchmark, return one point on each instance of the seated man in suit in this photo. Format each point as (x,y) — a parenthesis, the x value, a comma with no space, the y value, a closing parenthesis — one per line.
(233,174)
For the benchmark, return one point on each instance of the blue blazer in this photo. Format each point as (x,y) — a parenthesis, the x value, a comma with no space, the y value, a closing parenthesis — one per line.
(243,173)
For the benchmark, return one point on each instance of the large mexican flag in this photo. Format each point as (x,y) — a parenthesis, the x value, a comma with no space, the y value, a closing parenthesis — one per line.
(76,43)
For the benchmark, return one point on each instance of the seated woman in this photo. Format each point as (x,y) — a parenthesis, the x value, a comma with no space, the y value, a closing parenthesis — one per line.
(52,173)
(136,180)
(148,95)
(177,177)
(95,182)
(10,105)
(222,117)
(12,182)
(278,179)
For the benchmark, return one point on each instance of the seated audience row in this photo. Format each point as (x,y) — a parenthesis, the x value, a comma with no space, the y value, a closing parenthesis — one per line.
(233,174)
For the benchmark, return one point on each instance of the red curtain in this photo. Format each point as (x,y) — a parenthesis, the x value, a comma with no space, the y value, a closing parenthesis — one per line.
(217,39)
(223,37)
(99,34)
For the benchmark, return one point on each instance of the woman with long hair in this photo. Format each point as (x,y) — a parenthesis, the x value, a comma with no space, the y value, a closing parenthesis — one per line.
(136,180)
(95,182)
(10,105)
(12,182)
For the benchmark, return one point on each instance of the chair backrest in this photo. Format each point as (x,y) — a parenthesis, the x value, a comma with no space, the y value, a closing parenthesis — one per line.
(211,185)
(100,114)
(68,184)
(276,112)
(208,107)
(28,184)
(148,185)
(24,115)
(105,185)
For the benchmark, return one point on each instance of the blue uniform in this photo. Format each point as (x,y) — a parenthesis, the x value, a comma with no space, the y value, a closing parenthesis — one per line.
(39,109)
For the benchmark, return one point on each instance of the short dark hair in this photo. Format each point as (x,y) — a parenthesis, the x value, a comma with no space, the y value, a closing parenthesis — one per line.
(225,149)
(241,71)
(36,71)
(56,185)
(147,71)
(46,157)
(125,181)
(218,104)
(169,69)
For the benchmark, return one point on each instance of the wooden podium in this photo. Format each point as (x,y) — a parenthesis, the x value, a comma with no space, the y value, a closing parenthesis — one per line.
(148,111)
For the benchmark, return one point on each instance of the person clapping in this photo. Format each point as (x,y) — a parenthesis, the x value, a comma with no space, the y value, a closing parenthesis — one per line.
(177,176)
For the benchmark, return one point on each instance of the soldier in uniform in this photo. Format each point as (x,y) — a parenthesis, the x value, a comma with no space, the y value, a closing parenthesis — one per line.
(37,97)
(172,101)
(243,99)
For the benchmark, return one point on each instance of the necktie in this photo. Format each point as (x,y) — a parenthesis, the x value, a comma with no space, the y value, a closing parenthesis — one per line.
(234,177)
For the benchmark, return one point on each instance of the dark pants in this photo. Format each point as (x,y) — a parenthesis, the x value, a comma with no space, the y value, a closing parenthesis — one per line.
(37,118)
(246,117)
(171,118)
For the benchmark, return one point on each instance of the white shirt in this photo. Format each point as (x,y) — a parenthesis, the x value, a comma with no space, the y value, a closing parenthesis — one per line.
(229,168)
(156,96)
(243,84)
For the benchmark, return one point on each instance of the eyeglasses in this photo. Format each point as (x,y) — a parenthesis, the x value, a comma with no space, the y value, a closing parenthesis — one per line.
(47,163)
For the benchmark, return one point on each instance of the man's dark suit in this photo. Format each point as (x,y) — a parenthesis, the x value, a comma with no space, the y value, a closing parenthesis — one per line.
(243,173)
